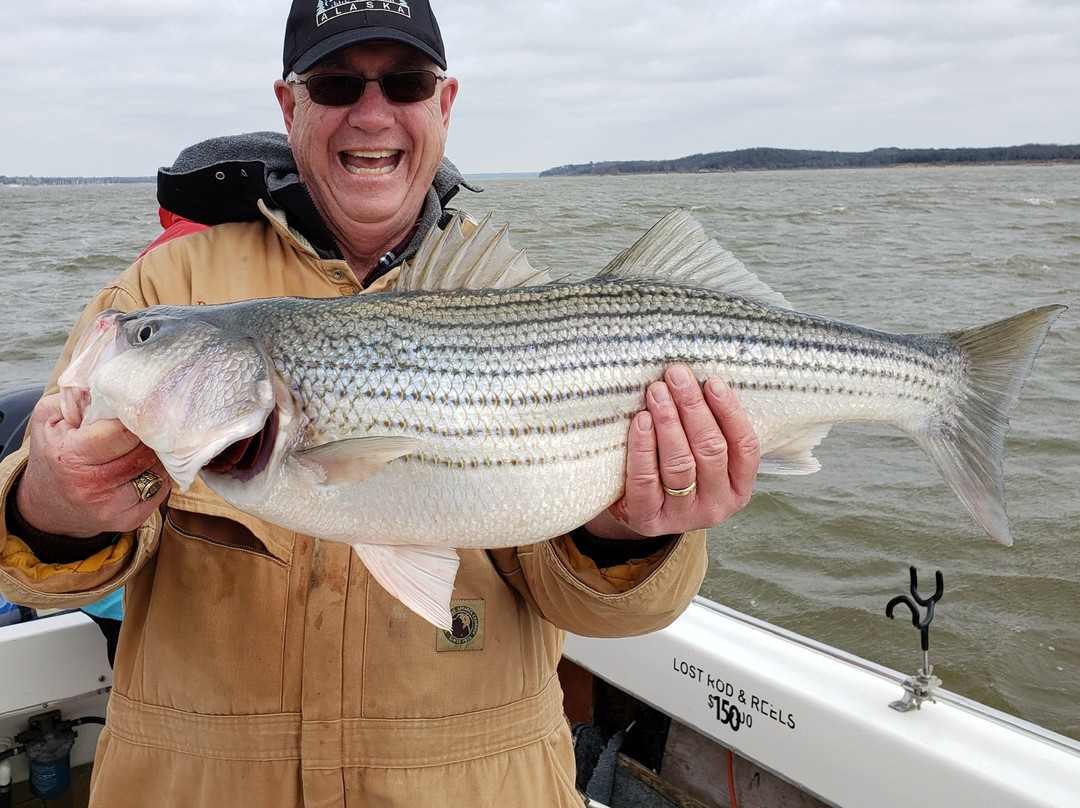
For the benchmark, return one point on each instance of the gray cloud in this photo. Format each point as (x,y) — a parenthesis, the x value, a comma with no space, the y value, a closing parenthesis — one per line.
(118,87)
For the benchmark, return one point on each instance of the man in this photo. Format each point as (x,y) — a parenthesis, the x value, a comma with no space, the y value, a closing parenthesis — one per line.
(260,667)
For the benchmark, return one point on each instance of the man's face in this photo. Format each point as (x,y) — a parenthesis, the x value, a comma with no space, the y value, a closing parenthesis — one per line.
(368,165)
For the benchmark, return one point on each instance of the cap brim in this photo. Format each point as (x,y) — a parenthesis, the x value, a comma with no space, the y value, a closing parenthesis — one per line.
(319,51)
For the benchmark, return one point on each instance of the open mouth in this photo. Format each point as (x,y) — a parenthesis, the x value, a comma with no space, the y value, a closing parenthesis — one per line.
(381,161)
(248,457)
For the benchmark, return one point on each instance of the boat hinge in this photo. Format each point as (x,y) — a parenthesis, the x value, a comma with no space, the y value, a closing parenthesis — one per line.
(917,689)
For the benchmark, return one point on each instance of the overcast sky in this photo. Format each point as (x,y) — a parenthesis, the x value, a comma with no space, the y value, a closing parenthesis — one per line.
(118,87)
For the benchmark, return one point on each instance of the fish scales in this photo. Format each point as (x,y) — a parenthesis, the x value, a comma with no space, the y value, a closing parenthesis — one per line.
(446,369)
(412,422)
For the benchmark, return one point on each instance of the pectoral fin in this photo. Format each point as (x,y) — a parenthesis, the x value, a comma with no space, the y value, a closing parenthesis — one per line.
(420,577)
(355,459)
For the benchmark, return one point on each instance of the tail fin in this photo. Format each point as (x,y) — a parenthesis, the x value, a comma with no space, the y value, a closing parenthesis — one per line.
(970,452)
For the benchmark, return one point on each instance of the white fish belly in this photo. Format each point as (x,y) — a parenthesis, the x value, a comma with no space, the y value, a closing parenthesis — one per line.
(411,502)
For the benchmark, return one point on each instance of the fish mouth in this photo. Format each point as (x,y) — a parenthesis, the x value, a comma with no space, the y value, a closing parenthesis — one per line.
(250,456)
(96,346)
(371,162)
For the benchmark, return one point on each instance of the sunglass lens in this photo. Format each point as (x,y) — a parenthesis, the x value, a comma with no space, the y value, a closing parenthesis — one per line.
(341,90)
(335,90)
(409,87)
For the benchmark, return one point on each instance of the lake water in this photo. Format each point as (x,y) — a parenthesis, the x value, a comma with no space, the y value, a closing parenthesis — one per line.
(913,249)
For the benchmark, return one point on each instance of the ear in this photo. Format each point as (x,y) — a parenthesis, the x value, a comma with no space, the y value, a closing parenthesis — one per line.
(448,92)
(287,101)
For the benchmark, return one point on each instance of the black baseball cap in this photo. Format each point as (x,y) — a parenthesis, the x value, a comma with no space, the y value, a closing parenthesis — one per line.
(318,28)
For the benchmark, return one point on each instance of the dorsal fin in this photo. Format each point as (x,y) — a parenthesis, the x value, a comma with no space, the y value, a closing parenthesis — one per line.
(448,260)
(677,249)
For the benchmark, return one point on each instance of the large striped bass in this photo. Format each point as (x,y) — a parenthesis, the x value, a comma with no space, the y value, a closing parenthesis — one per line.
(412,422)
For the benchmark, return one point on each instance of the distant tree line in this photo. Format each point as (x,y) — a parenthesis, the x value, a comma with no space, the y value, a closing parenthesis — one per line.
(766,159)
(5,180)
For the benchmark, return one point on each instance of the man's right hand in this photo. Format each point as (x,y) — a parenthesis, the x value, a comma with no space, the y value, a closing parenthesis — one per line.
(77,481)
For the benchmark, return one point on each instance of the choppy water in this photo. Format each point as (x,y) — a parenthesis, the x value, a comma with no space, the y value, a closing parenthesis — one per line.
(903,249)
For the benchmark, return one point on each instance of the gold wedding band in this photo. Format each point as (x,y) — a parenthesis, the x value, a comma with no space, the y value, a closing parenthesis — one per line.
(147,485)
(681,492)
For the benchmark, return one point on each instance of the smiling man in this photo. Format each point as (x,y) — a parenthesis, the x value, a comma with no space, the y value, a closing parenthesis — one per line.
(366,159)
(260,667)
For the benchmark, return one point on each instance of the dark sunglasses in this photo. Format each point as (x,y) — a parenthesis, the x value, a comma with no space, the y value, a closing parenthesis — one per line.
(343,89)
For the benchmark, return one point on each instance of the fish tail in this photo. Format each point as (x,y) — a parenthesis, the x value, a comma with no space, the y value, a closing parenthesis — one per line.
(969,451)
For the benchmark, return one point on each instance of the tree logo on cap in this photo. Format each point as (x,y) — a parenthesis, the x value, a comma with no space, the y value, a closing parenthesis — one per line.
(327,10)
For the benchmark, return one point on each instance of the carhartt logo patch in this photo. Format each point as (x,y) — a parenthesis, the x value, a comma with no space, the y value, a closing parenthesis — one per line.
(468,631)
(328,10)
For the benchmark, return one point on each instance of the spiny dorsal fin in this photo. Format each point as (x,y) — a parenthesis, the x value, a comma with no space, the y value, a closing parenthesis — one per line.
(448,260)
(677,249)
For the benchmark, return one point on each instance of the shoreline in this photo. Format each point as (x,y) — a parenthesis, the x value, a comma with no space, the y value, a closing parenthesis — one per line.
(751,170)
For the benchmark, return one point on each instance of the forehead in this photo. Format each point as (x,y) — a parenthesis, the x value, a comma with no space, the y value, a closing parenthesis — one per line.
(379,56)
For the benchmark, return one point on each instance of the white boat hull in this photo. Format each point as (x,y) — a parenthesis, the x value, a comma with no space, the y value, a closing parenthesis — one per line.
(820,718)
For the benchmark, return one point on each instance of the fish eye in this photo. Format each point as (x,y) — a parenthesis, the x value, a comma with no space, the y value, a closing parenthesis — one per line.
(145,332)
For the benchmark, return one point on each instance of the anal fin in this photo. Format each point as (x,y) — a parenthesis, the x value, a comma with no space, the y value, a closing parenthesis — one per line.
(795,455)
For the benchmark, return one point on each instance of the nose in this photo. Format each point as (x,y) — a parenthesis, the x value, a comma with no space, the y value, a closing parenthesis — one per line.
(372,111)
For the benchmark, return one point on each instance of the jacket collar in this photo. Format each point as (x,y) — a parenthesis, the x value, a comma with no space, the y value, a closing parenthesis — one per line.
(224,179)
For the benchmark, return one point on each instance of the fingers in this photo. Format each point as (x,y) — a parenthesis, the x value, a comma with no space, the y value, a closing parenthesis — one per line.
(692,458)
(78,481)
(678,410)
(643,497)
(89,445)
(741,441)
(644,493)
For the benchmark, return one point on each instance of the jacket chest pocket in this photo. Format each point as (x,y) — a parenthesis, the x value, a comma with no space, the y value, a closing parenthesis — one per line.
(216,617)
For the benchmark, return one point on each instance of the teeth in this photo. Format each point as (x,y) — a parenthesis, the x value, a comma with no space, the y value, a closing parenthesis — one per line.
(358,170)
(380,154)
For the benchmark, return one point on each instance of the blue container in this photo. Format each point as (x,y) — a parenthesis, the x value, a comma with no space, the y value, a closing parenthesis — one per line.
(49,780)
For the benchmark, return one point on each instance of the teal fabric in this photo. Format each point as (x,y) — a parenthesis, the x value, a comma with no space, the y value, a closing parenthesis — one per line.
(110,606)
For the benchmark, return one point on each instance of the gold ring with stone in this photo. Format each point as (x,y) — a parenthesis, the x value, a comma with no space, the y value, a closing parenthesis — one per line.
(681,492)
(147,485)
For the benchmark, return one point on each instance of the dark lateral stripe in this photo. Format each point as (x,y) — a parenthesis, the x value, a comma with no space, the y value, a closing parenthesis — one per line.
(565,356)
(554,337)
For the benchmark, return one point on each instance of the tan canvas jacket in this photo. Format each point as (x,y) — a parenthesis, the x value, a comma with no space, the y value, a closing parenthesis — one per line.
(259,667)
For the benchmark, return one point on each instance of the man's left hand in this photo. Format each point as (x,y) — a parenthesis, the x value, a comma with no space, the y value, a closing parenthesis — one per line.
(692,458)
